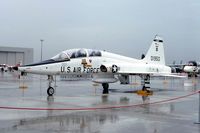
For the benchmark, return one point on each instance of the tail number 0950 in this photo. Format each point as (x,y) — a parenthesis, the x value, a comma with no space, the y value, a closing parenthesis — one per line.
(155,58)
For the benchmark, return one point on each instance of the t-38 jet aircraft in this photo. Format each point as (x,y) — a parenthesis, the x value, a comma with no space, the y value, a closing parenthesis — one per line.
(105,67)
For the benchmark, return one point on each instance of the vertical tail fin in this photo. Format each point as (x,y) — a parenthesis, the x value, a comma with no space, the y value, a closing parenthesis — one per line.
(155,53)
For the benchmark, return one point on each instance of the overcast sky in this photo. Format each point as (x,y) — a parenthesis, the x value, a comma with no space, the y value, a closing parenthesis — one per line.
(125,27)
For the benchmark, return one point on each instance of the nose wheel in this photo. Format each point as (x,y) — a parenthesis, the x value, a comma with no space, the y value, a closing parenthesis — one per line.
(50,91)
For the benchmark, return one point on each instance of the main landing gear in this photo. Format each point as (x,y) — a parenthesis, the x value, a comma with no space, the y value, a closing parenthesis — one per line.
(50,90)
(145,82)
(105,88)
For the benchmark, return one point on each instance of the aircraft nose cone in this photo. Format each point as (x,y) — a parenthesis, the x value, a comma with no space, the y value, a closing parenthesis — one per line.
(15,68)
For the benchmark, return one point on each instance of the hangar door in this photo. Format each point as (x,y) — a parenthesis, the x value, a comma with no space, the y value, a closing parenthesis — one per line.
(3,57)
(19,58)
(11,58)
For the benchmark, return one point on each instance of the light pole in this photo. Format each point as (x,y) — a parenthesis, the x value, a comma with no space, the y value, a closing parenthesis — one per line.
(41,40)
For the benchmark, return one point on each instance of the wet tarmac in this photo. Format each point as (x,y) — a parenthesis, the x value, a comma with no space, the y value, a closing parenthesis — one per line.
(79,106)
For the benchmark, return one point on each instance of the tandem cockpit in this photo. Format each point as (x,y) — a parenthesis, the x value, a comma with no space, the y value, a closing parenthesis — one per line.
(67,55)
(76,53)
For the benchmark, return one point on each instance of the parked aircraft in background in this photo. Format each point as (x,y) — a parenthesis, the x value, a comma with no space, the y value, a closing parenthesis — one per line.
(7,68)
(105,67)
(192,68)
(3,67)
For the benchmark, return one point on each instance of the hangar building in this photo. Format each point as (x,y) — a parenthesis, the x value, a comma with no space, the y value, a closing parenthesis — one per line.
(15,55)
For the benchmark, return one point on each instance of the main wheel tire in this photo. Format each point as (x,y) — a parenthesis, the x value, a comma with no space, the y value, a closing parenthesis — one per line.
(105,88)
(50,91)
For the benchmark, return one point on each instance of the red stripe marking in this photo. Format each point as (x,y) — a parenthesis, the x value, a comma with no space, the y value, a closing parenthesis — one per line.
(103,107)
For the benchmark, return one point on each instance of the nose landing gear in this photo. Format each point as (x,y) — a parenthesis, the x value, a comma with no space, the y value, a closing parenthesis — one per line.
(50,90)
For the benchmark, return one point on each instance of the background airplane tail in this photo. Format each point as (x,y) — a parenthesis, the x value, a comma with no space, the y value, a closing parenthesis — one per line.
(155,53)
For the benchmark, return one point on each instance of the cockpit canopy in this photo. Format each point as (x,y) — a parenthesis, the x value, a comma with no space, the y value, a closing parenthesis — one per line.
(76,53)
(192,63)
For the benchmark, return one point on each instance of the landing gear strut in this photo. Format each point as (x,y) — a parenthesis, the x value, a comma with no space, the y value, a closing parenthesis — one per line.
(105,88)
(50,90)
(145,82)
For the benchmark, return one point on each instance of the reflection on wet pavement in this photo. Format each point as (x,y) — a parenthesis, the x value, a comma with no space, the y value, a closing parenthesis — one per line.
(175,116)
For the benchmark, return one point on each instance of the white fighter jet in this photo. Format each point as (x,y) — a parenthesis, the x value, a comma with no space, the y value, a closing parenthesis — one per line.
(192,68)
(105,67)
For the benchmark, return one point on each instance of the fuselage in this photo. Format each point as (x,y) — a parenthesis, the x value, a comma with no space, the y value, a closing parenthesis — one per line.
(83,61)
(191,67)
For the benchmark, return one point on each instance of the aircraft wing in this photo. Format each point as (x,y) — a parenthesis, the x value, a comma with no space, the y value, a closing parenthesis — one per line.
(171,75)
(111,73)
